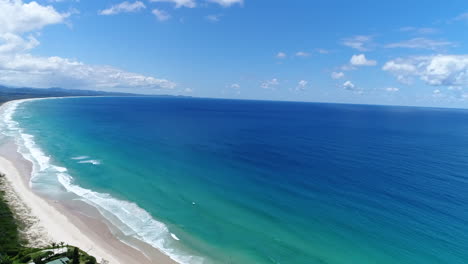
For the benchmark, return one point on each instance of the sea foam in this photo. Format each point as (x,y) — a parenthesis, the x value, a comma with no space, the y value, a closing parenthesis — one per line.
(80,157)
(127,216)
(94,162)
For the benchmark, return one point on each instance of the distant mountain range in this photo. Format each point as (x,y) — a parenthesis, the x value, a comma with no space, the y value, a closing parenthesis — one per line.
(13,93)
(5,90)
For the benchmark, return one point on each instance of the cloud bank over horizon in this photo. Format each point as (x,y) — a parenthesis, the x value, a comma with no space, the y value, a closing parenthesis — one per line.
(20,24)
(239,49)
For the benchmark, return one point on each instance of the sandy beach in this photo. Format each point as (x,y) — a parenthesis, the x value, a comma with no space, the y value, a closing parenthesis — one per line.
(74,223)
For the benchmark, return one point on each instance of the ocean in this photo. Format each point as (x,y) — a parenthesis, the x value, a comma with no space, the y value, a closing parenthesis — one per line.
(232,181)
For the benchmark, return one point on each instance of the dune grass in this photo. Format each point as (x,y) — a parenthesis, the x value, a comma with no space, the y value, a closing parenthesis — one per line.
(10,240)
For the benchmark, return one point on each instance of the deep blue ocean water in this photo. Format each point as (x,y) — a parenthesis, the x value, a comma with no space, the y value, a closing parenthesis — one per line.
(225,181)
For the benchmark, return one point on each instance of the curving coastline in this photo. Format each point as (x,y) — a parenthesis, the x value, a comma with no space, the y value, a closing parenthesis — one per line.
(73,221)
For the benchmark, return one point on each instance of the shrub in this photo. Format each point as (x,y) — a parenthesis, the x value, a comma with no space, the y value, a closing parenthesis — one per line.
(12,252)
(90,260)
(5,260)
(76,256)
(38,260)
(9,236)
(25,259)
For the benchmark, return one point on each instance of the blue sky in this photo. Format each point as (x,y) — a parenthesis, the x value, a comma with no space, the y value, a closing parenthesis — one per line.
(373,52)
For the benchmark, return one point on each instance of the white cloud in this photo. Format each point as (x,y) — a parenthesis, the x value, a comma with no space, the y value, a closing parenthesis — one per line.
(28,70)
(11,43)
(193,3)
(18,67)
(227,3)
(301,85)
(124,7)
(360,60)
(437,93)
(188,90)
(423,30)
(420,43)
(347,67)
(392,89)
(161,15)
(462,17)
(455,88)
(348,85)
(361,43)
(405,79)
(403,71)
(281,55)
(400,65)
(270,84)
(437,70)
(337,75)
(302,54)
(323,51)
(235,86)
(17,17)
(179,3)
(213,18)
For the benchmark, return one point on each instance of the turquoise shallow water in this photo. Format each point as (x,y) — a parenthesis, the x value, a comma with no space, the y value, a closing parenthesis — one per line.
(219,181)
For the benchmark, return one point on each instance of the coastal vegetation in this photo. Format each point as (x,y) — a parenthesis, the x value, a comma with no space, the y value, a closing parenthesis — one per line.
(13,251)
(10,240)
(48,255)
(12,244)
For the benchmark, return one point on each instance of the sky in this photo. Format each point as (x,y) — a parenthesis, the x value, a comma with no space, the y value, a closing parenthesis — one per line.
(370,52)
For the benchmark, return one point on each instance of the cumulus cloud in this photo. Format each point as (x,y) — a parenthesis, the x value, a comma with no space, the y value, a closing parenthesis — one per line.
(17,17)
(392,89)
(179,3)
(281,55)
(347,67)
(301,85)
(422,31)
(302,54)
(11,43)
(28,70)
(18,67)
(161,15)
(421,43)
(348,85)
(400,66)
(437,93)
(437,70)
(270,84)
(124,7)
(361,42)
(213,18)
(235,88)
(188,90)
(337,75)
(227,3)
(322,51)
(361,60)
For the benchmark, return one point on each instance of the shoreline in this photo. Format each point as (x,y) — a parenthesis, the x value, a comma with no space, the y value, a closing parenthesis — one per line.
(73,222)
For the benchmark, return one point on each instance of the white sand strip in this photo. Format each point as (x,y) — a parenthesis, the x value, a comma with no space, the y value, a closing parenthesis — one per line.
(55,224)
(59,222)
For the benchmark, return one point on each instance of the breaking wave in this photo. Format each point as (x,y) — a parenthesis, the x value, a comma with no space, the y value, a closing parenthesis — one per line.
(128,217)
